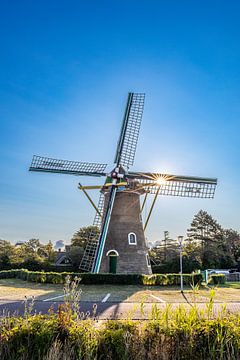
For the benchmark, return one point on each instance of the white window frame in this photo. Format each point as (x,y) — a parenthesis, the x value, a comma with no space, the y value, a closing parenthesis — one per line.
(135,238)
(114,251)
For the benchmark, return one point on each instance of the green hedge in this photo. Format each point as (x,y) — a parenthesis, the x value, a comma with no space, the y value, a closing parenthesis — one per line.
(216,279)
(88,278)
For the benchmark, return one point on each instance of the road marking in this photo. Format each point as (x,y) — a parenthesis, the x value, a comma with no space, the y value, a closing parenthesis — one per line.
(106,297)
(157,298)
(53,298)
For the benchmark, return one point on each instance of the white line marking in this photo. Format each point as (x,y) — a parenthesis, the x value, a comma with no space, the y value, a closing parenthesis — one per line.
(106,297)
(53,298)
(157,298)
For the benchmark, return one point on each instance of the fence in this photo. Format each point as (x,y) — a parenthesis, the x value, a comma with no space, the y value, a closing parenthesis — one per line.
(233,276)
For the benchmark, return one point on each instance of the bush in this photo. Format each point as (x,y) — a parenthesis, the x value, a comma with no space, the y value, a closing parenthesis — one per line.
(216,279)
(100,279)
(171,279)
(174,335)
(38,266)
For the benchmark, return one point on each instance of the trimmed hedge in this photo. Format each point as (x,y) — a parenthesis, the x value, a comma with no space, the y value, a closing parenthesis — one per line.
(216,279)
(88,278)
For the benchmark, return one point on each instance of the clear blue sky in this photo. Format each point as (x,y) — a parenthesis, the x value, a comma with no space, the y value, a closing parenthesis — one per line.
(65,70)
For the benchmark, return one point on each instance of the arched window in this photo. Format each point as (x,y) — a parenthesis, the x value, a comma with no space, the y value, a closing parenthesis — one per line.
(132,238)
(112,253)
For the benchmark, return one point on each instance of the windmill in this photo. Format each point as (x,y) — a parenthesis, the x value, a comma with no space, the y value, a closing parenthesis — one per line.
(120,247)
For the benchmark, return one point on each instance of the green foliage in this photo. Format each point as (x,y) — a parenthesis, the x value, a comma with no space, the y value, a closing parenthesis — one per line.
(216,279)
(171,279)
(232,238)
(98,279)
(6,252)
(31,255)
(168,334)
(81,236)
(178,334)
(213,242)
(75,253)
(208,246)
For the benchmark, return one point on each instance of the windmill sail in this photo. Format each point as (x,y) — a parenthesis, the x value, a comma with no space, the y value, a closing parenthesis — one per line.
(176,185)
(128,139)
(46,164)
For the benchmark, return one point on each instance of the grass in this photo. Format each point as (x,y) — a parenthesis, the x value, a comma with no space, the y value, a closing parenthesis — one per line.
(16,289)
(169,333)
(233,285)
(63,335)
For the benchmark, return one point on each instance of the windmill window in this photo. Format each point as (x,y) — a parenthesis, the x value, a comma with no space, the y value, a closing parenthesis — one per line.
(132,238)
(112,253)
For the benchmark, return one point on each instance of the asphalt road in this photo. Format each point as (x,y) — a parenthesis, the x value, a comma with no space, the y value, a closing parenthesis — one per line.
(106,310)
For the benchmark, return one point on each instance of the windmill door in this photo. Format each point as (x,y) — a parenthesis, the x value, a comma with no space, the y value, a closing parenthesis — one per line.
(113,264)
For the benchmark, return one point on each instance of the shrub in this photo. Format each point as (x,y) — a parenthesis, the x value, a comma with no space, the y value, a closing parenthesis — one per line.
(100,279)
(216,279)
(38,266)
(175,334)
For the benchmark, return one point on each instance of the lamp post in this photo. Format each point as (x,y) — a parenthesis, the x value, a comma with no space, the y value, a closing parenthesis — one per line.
(180,242)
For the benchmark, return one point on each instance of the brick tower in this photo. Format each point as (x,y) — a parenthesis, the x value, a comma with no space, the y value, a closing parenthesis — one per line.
(125,249)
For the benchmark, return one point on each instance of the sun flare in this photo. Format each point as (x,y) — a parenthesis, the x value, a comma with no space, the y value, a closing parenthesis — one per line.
(161,180)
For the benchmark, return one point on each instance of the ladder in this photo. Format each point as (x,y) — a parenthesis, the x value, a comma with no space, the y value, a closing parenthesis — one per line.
(92,243)
(104,230)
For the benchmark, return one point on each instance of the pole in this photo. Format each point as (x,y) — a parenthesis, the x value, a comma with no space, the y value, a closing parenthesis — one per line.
(180,241)
(144,201)
(89,198)
(151,209)
(166,234)
(181,272)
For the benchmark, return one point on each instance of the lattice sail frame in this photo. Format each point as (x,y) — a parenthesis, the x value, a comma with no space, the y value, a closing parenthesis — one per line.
(181,188)
(127,143)
(175,185)
(46,164)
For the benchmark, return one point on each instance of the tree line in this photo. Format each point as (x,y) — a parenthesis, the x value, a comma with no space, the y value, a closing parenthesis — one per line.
(207,246)
(34,255)
(30,254)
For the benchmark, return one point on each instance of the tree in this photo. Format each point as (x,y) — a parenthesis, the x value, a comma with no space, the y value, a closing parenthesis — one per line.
(232,238)
(81,236)
(165,257)
(204,228)
(75,253)
(29,251)
(7,252)
(164,253)
(191,256)
(206,232)
(47,252)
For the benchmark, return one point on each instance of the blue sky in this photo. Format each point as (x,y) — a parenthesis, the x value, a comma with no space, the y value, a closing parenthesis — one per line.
(65,70)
